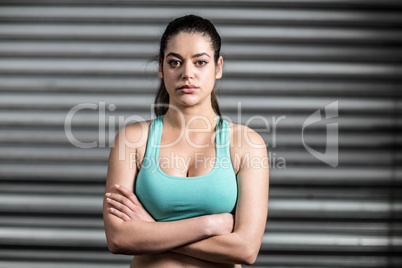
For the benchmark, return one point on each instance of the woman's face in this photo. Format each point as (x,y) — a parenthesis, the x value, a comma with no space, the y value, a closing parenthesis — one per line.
(189,70)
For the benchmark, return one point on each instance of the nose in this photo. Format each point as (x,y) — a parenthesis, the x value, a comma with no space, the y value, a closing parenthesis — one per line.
(188,71)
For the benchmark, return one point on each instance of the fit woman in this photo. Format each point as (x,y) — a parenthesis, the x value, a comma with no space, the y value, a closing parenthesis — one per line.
(189,188)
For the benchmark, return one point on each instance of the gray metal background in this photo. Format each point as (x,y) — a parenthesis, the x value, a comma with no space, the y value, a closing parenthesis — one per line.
(282,58)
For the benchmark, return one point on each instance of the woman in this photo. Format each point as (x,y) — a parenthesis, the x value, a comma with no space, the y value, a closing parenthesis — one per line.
(189,188)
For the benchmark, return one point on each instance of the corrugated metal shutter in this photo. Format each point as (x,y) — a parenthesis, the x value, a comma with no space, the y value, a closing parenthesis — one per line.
(283,58)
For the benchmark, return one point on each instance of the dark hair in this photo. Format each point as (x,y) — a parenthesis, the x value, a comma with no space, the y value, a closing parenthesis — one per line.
(187,24)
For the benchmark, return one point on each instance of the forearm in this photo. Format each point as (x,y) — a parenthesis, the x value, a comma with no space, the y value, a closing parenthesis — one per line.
(141,237)
(131,230)
(230,248)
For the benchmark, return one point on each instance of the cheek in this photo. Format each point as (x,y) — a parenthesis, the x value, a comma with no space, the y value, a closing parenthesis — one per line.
(208,77)
(169,77)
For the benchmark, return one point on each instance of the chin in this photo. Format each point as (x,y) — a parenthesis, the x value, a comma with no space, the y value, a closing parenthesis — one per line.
(188,100)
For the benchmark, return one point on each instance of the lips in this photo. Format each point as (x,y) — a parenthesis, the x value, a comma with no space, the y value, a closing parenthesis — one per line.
(188,88)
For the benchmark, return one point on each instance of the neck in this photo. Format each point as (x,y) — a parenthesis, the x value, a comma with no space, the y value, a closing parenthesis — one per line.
(191,118)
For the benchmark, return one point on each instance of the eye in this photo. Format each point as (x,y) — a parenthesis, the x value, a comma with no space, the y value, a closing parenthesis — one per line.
(174,63)
(201,62)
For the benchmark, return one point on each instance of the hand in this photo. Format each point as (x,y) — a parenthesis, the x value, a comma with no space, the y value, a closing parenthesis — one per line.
(126,206)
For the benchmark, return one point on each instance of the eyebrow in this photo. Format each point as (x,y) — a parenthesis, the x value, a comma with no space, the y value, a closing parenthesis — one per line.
(180,57)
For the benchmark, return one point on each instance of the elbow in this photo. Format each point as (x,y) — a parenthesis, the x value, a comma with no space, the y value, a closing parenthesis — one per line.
(113,248)
(117,244)
(116,239)
(111,239)
(114,245)
(250,259)
(248,255)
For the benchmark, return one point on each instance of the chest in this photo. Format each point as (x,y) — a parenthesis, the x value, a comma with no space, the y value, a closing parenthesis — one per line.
(187,156)
(190,156)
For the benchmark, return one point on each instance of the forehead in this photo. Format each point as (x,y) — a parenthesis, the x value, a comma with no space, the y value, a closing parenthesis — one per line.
(189,43)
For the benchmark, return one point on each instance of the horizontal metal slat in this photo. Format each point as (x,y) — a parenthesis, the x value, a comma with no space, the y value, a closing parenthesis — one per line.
(333,193)
(85,32)
(333,208)
(51,203)
(323,242)
(298,87)
(75,66)
(26,171)
(37,255)
(307,260)
(308,52)
(333,227)
(351,70)
(339,176)
(51,221)
(87,102)
(305,34)
(235,3)
(48,137)
(229,33)
(61,154)
(79,84)
(216,14)
(56,119)
(81,49)
(52,237)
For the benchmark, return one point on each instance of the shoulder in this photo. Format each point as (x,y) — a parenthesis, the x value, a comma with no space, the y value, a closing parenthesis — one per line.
(244,137)
(246,146)
(133,135)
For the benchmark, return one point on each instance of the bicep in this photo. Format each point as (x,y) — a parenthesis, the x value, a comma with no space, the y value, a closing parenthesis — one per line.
(122,166)
(253,183)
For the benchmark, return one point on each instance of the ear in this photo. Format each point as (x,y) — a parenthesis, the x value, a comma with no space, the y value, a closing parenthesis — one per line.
(160,71)
(219,67)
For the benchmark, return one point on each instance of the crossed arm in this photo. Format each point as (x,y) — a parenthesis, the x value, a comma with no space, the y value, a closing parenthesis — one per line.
(216,238)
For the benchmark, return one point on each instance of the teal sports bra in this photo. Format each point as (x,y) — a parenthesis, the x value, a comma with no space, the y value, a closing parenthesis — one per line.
(169,198)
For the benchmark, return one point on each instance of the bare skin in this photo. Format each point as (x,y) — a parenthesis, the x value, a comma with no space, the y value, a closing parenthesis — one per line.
(219,240)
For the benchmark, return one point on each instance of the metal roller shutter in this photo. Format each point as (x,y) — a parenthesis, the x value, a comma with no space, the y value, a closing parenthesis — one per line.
(284,60)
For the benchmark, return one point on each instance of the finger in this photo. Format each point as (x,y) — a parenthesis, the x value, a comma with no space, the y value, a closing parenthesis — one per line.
(119,214)
(126,214)
(133,211)
(121,207)
(121,199)
(127,193)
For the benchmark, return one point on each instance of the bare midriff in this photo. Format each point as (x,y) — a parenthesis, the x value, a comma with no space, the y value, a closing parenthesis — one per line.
(175,260)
